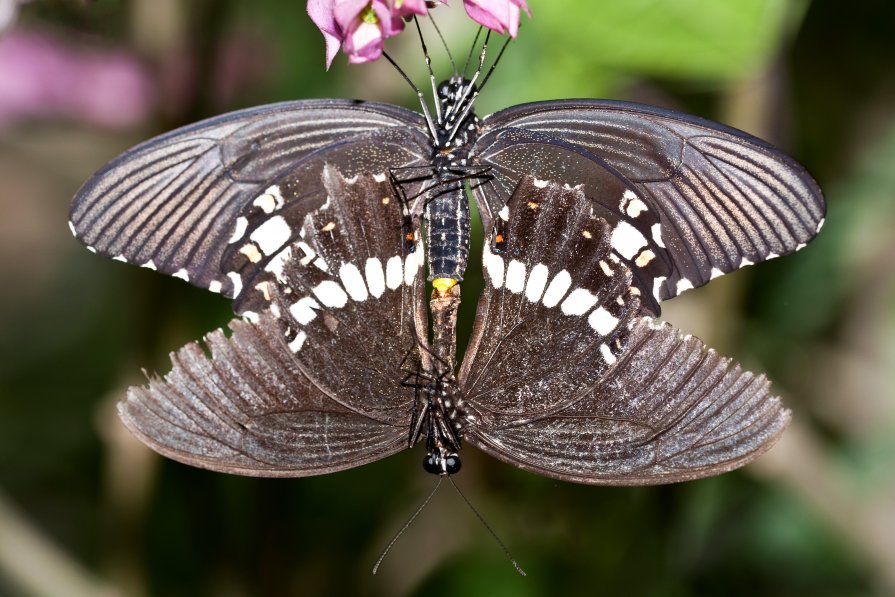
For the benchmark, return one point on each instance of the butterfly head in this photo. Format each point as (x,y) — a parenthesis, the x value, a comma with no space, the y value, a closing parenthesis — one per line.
(441,462)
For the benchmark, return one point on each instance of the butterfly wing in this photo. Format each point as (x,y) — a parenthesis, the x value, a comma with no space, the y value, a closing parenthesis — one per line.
(565,378)
(688,199)
(172,203)
(314,385)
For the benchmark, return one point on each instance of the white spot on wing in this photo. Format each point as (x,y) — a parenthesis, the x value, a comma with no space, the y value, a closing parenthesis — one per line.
(578,302)
(557,289)
(656,231)
(379,177)
(375,276)
(393,272)
(540,184)
(251,316)
(606,269)
(304,310)
(627,240)
(120,258)
(353,282)
(644,258)
(682,285)
(635,207)
(237,283)
(412,265)
(819,225)
(276,263)
(72,228)
(537,281)
(214,286)
(607,354)
(182,274)
(309,253)
(515,281)
(270,201)
(745,262)
(298,342)
(149,265)
(657,286)
(271,235)
(602,321)
(504,213)
(251,252)
(240,230)
(771,255)
(320,264)
(716,273)
(494,266)
(331,294)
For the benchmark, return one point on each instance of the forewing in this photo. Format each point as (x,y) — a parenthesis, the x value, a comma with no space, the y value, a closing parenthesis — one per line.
(695,199)
(315,383)
(172,203)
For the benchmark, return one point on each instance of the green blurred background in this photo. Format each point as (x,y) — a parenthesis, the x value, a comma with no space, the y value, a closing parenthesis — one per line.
(86,510)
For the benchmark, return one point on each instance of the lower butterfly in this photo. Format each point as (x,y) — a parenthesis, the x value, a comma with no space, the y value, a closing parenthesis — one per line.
(565,374)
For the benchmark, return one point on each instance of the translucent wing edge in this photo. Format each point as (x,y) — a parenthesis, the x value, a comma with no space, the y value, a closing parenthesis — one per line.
(744,394)
(200,412)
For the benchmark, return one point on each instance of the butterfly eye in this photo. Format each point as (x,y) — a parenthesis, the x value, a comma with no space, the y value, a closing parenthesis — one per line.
(430,464)
(452,465)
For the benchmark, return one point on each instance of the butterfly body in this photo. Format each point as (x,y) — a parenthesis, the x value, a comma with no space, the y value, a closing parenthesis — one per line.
(446,211)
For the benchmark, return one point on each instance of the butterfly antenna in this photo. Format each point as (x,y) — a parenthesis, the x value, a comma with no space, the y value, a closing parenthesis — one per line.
(407,524)
(443,43)
(467,100)
(431,73)
(475,41)
(496,60)
(490,530)
(419,95)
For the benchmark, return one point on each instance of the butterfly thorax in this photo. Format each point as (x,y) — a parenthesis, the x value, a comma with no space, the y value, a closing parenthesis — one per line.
(457,125)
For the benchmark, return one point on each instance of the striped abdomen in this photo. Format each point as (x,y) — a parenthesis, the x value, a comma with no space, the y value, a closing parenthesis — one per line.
(447,230)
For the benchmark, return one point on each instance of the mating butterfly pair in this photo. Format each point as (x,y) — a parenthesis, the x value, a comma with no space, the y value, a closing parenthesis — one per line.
(597,211)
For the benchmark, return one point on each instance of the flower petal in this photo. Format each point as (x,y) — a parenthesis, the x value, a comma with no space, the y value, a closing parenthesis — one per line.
(322,13)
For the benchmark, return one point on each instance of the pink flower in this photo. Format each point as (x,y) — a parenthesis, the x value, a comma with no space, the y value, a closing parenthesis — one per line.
(406,8)
(360,27)
(498,15)
(365,25)
(42,77)
(321,12)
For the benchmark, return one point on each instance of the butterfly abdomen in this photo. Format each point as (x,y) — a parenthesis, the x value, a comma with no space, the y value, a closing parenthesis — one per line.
(447,231)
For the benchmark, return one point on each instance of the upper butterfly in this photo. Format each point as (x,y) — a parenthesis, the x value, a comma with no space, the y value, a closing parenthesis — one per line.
(687,199)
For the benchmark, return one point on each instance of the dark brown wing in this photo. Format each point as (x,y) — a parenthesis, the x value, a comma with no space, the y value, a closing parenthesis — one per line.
(173,202)
(314,385)
(669,410)
(695,199)
(575,384)
(250,410)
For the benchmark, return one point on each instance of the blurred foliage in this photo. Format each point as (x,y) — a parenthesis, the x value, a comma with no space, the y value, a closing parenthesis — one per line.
(815,516)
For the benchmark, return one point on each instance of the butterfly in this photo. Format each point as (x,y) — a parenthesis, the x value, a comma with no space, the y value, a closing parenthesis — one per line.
(320,218)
